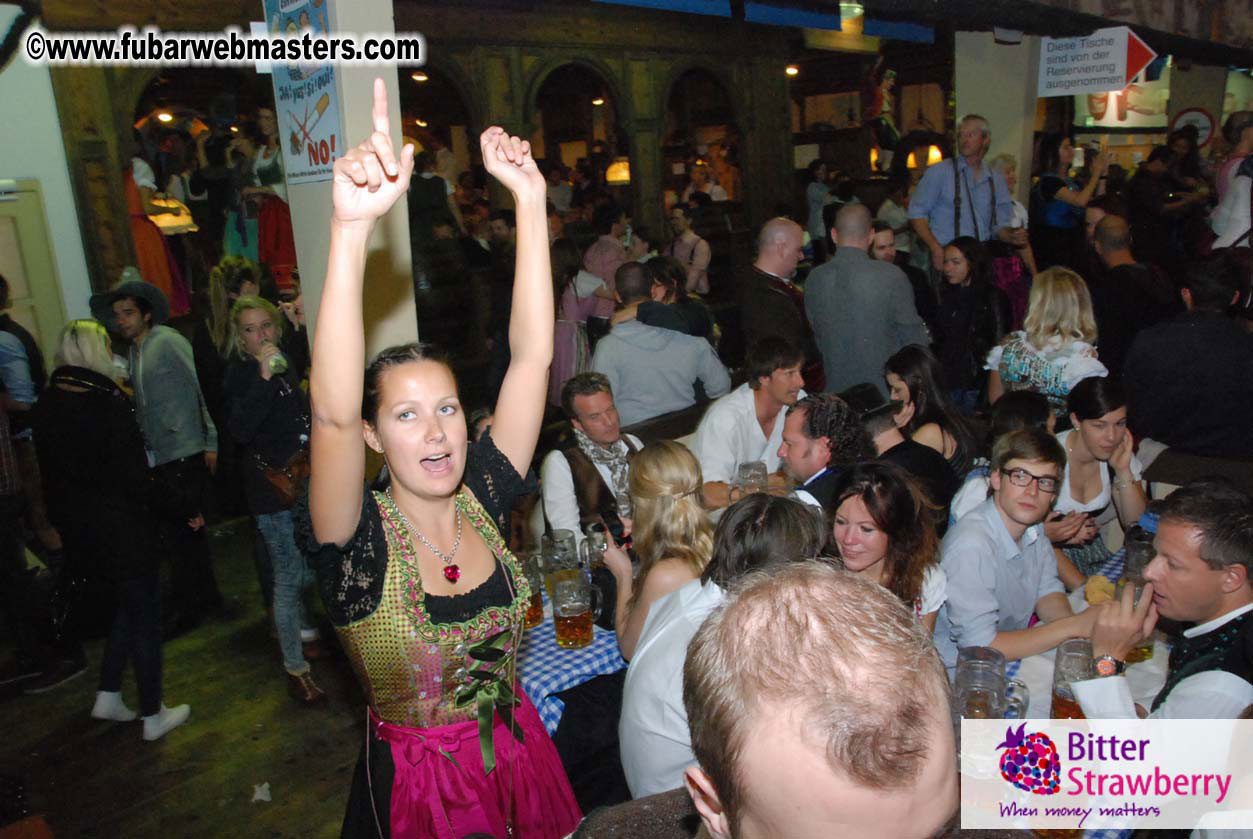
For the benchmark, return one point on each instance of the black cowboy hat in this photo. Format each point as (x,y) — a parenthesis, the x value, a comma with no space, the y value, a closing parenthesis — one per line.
(130,285)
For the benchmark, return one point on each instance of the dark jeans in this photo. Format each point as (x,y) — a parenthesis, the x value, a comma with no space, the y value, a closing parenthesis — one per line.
(193,588)
(136,636)
(16,595)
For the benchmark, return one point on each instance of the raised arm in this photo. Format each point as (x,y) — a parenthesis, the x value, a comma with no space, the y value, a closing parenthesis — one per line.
(520,407)
(367,181)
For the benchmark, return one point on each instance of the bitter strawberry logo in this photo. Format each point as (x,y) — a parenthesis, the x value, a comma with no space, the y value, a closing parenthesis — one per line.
(1030,762)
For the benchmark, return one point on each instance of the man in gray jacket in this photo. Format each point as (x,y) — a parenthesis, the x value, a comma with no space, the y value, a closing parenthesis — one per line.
(653,371)
(179,435)
(861,310)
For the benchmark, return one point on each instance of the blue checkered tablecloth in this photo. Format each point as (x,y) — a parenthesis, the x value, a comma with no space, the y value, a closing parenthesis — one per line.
(546,669)
(1112,569)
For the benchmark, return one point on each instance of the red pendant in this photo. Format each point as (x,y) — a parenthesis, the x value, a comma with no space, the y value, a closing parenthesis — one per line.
(452,573)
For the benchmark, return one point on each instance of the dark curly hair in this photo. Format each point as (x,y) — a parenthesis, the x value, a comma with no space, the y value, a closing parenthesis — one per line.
(901,510)
(827,415)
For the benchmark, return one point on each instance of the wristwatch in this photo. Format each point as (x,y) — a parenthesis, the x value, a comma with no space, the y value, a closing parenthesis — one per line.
(1107,665)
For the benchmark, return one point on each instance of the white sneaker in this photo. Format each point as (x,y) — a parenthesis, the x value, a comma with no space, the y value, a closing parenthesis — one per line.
(156,726)
(109,706)
(307,635)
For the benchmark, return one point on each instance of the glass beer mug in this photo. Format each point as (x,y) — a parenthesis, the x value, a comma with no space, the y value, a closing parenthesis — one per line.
(980,689)
(1073,663)
(592,548)
(576,605)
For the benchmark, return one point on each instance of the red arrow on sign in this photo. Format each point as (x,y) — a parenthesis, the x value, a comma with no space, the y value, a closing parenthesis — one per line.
(1139,55)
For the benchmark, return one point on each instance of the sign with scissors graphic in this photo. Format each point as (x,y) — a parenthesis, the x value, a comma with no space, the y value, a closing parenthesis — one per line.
(305,98)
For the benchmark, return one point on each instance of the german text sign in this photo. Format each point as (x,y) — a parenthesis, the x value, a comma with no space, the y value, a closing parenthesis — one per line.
(1108,59)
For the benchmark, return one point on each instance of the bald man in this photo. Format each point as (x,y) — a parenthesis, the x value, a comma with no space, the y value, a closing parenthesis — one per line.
(771,304)
(1128,296)
(862,310)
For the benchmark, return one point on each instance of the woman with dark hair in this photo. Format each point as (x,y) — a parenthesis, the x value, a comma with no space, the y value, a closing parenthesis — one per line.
(426,598)
(1100,469)
(1057,203)
(1188,170)
(670,299)
(757,532)
(914,379)
(972,317)
(882,530)
(240,236)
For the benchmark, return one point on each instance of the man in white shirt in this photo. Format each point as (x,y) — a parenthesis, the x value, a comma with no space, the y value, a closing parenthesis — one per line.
(1201,575)
(585,481)
(746,425)
(759,532)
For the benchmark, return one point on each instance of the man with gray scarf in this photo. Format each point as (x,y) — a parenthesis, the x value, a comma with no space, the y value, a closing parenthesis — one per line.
(585,480)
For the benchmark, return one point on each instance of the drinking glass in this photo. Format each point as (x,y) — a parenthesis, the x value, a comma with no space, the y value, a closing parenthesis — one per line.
(1142,651)
(981,655)
(981,692)
(752,477)
(592,549)
(1073,663)
(535,611)
(1140,552)
(576,605)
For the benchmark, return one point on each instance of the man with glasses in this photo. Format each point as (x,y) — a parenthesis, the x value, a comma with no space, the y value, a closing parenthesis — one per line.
(1001,567)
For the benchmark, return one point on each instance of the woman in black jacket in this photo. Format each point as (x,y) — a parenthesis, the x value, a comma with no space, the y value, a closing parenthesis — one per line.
(267,415)
(972,318)
(105,501)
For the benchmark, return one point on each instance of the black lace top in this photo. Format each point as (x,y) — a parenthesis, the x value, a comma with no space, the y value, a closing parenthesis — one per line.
(351,578)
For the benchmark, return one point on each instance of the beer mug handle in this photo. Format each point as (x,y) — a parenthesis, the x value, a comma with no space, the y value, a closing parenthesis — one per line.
(598,602)
(1017,697)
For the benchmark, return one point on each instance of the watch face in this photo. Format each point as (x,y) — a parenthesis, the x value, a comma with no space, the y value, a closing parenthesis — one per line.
(1106,667)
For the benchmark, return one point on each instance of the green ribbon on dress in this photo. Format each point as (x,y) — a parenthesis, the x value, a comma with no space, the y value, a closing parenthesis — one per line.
(489,691)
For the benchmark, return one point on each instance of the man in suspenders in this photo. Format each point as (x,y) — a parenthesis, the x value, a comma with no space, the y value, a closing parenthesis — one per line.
(963,196)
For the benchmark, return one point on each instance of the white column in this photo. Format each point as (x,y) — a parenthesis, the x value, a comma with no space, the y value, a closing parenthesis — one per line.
(390,315)
(998,81)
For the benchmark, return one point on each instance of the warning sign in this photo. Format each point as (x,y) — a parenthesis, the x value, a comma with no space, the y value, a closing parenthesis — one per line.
(1108,59)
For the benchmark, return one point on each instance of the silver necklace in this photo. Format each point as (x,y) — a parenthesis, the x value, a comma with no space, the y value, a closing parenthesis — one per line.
(452,571)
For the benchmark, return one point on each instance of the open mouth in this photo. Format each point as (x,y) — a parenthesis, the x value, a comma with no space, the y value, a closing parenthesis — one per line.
(437,464)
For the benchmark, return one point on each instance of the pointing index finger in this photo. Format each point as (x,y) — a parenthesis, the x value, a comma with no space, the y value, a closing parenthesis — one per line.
(381,122)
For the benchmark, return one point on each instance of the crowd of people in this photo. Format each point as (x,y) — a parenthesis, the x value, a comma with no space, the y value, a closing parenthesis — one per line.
(933,436)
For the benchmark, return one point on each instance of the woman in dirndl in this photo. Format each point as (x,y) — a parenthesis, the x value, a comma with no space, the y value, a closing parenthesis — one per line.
(426,598)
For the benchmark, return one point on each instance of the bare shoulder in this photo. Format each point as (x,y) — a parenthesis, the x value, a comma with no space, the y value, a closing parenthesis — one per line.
(666,576)
(931,435)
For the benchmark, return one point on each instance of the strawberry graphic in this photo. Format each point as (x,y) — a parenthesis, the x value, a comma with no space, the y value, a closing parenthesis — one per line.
(1029,761)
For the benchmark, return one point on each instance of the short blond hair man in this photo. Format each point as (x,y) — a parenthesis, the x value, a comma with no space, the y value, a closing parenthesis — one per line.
(818,707)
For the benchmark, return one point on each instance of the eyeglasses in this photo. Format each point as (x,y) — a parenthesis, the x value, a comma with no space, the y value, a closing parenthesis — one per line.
(1023,478)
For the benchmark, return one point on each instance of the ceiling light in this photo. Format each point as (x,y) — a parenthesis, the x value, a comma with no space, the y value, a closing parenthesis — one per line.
(792,70)
(619,172)
(599,100)
(420,123)
(419,76)
(165,116)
